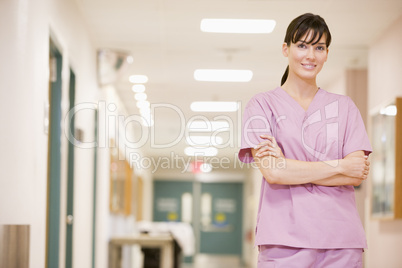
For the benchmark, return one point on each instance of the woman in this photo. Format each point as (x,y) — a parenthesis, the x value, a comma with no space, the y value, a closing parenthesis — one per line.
(311,148)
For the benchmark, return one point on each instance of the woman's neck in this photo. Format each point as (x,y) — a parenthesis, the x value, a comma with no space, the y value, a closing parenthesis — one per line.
(300,88)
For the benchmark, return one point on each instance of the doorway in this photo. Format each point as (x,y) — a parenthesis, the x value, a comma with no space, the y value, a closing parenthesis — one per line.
(70,176)
(54,158)
(221,218)
(216,213)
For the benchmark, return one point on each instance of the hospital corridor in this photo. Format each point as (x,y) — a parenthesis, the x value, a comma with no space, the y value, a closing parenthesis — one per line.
(122,122)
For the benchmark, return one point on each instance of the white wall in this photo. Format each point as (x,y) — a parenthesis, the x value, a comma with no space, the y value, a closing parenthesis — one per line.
(338,86)
(23,91)
(385,83)
(25,28)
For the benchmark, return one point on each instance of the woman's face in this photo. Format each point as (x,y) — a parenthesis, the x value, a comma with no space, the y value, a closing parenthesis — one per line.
(306,60)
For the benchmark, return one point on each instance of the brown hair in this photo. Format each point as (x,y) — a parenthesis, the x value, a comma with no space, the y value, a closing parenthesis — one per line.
(303,25)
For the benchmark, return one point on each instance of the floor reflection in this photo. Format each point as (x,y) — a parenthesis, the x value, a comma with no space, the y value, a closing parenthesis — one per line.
(215,261)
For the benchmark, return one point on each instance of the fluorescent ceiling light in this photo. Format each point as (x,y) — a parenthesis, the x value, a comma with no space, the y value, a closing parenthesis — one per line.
(138,79)
(143,104)
(148,122)
(205,167)
(147,116)
(207,126)
(140,96)
(390,110)
(130,59)
(237,26)
(204,140)
(210,151)
(214,106)
(222,75)
(145,110)
(147,119)
(138,88)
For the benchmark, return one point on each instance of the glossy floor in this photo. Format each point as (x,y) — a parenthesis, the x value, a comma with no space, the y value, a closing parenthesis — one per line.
(215,261)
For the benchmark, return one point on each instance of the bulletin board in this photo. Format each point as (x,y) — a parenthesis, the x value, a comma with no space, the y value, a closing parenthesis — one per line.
(121,177)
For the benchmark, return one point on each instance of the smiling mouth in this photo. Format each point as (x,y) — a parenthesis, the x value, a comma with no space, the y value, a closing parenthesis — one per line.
(309,66)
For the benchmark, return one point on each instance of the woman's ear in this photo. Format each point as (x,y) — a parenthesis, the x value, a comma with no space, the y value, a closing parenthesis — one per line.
(285,49)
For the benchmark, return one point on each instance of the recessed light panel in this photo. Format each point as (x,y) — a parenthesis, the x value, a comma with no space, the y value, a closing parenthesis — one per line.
(205,167)
(138,88)
(138,79)
(143,104)
(140,96)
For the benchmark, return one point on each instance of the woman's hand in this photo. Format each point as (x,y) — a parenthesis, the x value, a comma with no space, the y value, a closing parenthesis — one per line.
(268,147)
(356,165)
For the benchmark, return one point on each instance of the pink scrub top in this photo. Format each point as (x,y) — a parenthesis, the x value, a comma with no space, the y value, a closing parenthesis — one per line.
(306,215)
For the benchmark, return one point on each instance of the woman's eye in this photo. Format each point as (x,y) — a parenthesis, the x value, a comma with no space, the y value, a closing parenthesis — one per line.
(301,46)
(320,48)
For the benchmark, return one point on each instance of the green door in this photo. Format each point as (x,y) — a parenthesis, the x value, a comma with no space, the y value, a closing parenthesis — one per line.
(221,218)
(168,199)
(70,177)
(94,190)
(217,210)
(54,158)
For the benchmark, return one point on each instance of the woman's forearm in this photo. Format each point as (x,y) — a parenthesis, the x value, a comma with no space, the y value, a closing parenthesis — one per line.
(357,170)
(348,171)
(290,171)
(339,180)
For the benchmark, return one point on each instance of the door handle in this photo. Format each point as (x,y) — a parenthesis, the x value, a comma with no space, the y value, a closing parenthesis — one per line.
(70,219)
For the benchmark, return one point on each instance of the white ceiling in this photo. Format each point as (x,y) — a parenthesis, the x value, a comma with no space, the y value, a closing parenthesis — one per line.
(165,40)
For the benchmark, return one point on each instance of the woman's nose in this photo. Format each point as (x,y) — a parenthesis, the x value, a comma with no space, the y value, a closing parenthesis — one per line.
(310,53)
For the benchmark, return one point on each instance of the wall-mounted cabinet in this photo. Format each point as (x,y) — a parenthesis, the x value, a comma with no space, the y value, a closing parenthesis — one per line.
(386,162)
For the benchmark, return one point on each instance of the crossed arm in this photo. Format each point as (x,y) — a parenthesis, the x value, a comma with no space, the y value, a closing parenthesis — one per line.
(276,169)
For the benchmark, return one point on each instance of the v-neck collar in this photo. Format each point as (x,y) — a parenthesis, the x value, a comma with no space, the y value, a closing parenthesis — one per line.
(297,105)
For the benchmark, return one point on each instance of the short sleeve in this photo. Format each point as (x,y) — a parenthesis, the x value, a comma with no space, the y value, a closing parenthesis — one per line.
(256,122)
(355,138)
